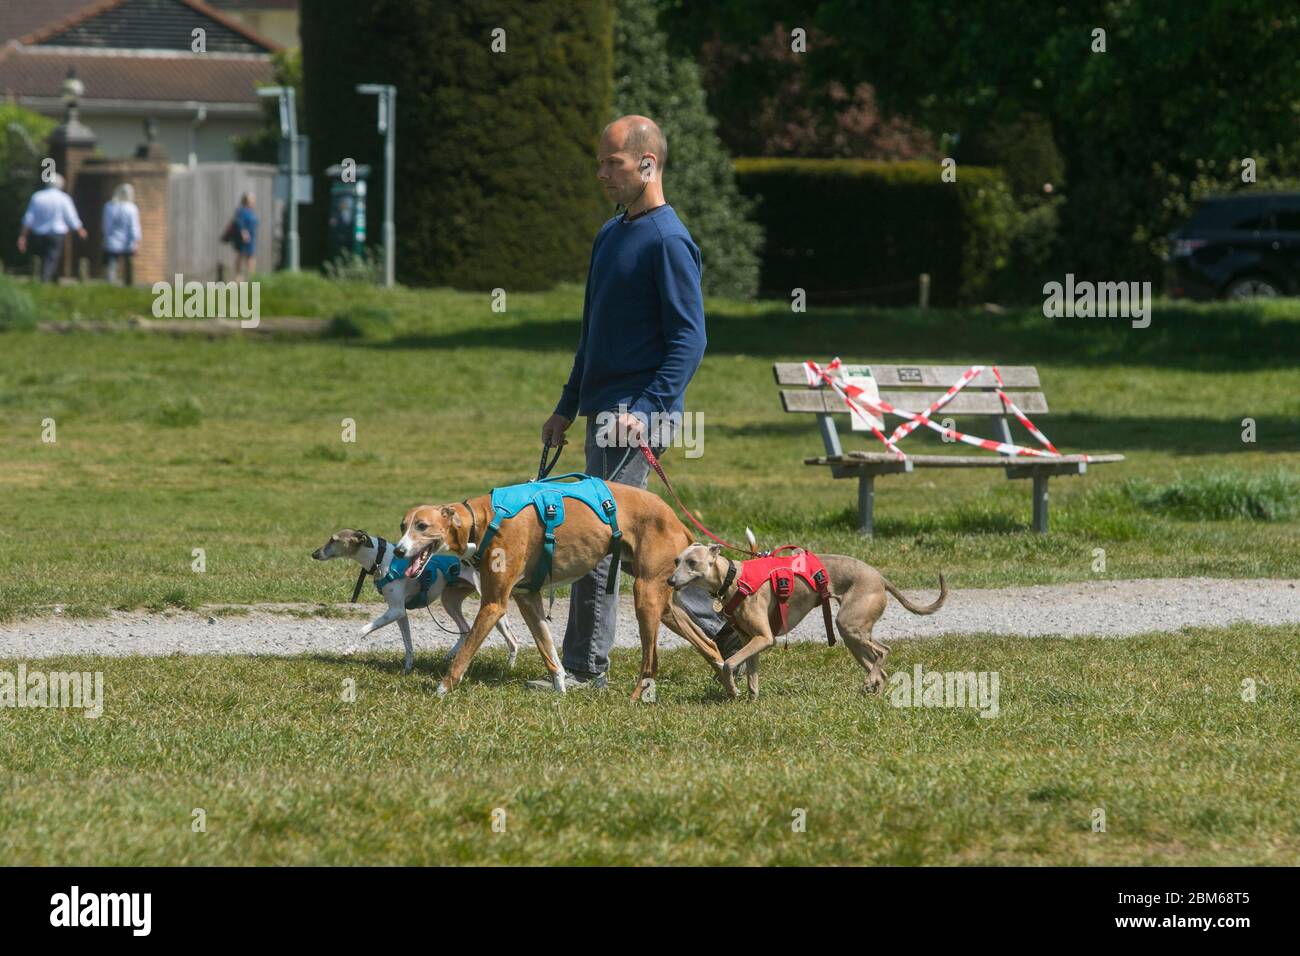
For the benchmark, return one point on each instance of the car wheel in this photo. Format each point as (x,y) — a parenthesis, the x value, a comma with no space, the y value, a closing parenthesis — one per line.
(1251,287)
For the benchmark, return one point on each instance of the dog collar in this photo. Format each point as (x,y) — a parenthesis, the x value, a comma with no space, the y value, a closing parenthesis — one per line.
(473,522)
(381,546)
(726,582)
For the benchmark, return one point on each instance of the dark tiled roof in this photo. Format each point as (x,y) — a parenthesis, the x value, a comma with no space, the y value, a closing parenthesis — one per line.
(148,25)
(18,18)
(195,77)
(253,4)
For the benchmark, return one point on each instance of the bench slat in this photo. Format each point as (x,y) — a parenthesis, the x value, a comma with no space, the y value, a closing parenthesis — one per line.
(824,400)
(920,376)
(960,461)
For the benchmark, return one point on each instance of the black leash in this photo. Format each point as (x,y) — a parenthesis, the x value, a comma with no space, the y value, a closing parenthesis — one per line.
(429,607)
(380,547)
(543,469)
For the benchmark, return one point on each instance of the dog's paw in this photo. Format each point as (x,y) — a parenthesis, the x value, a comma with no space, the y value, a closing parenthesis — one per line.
(646,692)
(442,690)
(727,677)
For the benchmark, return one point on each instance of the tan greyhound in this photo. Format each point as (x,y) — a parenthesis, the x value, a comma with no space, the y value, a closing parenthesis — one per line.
(652,537)
(859,588)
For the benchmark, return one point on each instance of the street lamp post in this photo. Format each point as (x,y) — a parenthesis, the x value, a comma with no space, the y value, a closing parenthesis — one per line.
(388,126)
(289,130)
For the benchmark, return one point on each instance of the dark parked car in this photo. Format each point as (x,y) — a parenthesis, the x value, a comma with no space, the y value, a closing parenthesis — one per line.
(1237,247)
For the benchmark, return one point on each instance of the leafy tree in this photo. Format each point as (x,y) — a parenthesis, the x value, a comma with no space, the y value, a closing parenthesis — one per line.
(1178,86)
(22,146)
(768,105)
(698,178)
(263,146)
(495,147)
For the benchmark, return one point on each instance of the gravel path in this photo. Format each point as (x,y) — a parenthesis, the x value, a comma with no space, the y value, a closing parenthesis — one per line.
(1108,608)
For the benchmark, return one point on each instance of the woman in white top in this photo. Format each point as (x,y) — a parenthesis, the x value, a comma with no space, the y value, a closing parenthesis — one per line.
(121,231)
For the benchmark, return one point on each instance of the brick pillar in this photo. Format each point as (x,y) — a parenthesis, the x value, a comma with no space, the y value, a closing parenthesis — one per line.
(95,185)
(71,144)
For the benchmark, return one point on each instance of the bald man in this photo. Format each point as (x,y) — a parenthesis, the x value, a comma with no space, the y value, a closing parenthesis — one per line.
(642,340)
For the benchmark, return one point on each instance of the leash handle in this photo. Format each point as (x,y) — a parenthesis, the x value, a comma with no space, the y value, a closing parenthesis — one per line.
(543,469)
(659,470)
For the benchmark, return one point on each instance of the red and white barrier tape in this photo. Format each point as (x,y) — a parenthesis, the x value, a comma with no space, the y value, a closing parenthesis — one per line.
(1021,416)
(853,397)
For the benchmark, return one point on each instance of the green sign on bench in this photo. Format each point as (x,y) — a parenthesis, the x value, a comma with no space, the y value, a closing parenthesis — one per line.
(913,388)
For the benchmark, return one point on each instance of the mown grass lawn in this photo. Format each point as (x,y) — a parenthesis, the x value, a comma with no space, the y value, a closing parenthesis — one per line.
(167,445)
(1152,730)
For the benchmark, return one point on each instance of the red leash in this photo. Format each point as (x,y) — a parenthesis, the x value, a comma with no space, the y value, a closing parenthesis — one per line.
(780,587)
(659,469)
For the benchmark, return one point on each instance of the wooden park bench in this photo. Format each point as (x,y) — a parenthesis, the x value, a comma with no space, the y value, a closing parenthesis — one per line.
(913,388)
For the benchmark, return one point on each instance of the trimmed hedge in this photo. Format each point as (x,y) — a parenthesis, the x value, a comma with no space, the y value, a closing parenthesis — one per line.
(848,230)
(496,152)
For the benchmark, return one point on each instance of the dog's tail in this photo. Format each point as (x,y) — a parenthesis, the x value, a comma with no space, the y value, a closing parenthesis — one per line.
(916,609)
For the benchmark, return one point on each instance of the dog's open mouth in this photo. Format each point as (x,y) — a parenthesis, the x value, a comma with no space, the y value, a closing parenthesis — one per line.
(421,559)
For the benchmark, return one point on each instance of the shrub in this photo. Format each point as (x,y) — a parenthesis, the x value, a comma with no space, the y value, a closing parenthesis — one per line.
(1033,255)
(22,147)
(1222,496)
(1022,148)
(349,266)
(17,311)
(848,230)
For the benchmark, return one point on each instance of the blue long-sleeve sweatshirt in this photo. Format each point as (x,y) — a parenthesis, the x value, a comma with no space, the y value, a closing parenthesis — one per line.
(642,319)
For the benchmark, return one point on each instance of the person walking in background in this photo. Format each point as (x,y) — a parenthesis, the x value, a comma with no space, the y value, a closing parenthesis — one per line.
(121,233)
(243,235)
(50,215)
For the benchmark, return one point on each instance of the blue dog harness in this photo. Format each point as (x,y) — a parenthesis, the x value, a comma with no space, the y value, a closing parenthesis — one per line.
(547,498)
(448,565)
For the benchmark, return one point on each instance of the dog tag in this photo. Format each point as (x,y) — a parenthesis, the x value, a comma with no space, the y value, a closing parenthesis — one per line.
(717,605)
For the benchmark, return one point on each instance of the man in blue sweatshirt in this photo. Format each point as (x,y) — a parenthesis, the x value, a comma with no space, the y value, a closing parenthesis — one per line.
(642,340)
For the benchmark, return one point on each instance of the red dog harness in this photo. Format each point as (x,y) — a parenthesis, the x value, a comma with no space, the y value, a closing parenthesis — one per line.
(780,571)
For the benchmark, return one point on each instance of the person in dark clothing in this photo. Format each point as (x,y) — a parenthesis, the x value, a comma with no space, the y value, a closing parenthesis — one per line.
(642,340)
(50,216)
(245,236)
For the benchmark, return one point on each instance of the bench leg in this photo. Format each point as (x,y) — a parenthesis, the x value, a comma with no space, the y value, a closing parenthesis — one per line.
(1040,504)
(866,504)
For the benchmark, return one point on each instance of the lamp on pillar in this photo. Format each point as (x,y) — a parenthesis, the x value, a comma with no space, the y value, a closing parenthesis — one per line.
(73,90)
(71,139)
(71,143)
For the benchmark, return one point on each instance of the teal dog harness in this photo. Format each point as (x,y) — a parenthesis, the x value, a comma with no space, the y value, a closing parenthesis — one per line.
(547,497)
(448,565)
(445,565)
